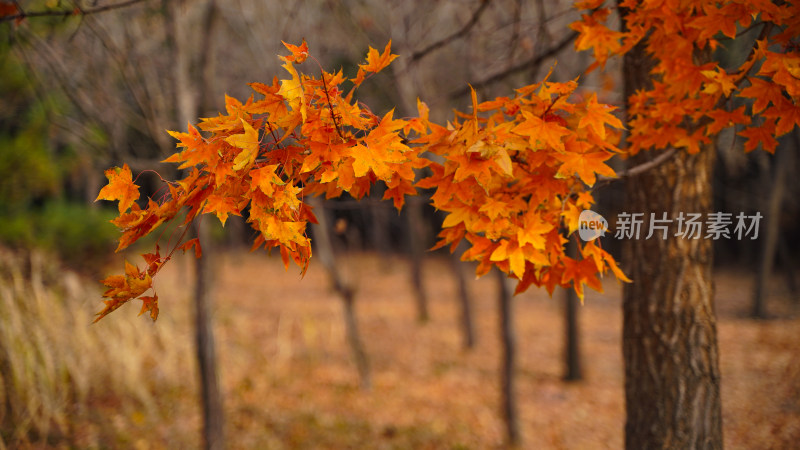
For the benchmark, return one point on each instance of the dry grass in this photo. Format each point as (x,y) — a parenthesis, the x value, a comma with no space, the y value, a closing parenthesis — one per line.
(64,381)
(289,382)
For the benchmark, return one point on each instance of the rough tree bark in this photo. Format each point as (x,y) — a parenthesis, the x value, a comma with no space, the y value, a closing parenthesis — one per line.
(672,378)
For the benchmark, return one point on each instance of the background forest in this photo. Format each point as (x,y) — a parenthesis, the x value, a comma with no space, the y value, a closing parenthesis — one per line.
(382,344)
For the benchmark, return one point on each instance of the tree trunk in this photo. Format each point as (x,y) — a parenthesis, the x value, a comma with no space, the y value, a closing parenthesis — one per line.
(206,356)
(416,243)
(572,353)
(192,90)
(464,300)
(324,248)
(672,378)
(379,228)
(774,183)
(508,365)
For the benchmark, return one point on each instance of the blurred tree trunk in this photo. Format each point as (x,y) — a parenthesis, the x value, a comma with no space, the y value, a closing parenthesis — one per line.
(774,184)
(379,229)
(572,353)
(213,419)
(672,378)
(192,89)
(416,244)
(465,301)
(508,365)
(325,253)
(404,82)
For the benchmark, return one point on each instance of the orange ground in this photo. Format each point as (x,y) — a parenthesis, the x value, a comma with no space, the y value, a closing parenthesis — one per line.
(289,381)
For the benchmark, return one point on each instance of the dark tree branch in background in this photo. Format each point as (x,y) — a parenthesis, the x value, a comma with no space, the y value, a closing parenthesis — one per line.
(529,64)
(512,44)
(77,11)
(639,169)
(464,30)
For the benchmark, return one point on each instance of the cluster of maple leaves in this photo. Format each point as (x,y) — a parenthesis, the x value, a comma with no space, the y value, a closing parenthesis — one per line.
(512,175)
(692,99)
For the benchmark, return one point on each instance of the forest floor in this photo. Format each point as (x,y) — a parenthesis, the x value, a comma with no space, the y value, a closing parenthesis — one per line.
(289,380)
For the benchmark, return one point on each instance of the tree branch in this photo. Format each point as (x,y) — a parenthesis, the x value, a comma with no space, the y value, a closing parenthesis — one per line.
(531,63)
(464,30)
(638,170)
(77,11)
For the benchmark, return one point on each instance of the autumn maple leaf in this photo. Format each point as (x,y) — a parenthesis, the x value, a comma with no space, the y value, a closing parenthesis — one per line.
(299,52)
(292,90)
(549,133)
(763,134)
(120,187)
(248,142)
(375,62)
(598,116)
(123,288)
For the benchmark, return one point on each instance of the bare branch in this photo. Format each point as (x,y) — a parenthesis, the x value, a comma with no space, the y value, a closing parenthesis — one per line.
(77,11)
(639,169)
(464,30)
(529,64)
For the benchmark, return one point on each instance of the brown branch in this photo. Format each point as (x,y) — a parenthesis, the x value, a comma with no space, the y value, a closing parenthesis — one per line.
(416,56)
(529,64)
(639,169)
(330,106)
(77,11)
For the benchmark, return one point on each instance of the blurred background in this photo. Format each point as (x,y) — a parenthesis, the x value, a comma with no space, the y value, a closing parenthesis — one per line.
(382,344)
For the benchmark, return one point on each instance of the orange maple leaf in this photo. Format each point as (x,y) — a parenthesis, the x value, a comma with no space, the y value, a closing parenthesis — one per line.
(149,303)
(510,251)
(120,187)
(375,62)
(550,133)
(763,134)
(123,288)
(580,273)
(598,116)
(582,159)
(299,52)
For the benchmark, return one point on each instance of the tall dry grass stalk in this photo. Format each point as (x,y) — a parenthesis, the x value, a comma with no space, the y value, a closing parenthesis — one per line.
(67,383)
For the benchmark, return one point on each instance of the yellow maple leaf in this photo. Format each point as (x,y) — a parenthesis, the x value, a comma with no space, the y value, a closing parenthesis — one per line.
(248,142)
(511,252)
(292,90)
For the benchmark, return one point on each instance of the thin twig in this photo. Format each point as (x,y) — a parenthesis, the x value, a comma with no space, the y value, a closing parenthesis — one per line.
(330,106)
(77,11)
(464,30)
